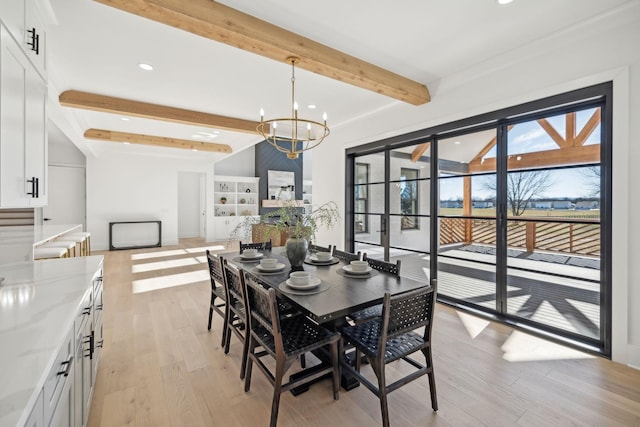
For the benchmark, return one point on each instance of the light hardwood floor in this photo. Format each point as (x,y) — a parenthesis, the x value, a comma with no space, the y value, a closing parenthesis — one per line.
(161,367)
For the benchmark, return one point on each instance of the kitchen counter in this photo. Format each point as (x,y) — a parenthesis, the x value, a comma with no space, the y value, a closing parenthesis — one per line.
(39,302)
(17,242)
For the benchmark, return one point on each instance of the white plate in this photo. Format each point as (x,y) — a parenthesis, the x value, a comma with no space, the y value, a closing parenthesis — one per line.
(313,282)
(314,258)
(279,266)
(350,270)
(258,256)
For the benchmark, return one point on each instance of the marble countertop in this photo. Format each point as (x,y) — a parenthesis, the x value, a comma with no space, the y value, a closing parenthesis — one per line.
(17,242)
(38,305)
(35,234)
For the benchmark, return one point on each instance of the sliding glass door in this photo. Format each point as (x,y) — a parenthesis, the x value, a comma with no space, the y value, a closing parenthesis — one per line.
(510,212)
(467,243)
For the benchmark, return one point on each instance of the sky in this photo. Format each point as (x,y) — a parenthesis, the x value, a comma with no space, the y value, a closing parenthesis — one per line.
(530,137)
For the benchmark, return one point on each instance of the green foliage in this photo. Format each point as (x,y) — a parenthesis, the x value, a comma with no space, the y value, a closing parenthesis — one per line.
(292,219)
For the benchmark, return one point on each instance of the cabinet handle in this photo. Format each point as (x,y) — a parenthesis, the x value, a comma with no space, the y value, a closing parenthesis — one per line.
(99,307)
(34,187)
(99,343)
(66,367)
(34,43)
(86,311)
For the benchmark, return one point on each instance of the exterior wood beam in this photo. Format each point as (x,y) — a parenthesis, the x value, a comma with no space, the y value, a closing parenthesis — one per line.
(553,133)
(564,156)
(156,141)
(419,151)
(221,23)
(588,128)
(570,120)
(108,104)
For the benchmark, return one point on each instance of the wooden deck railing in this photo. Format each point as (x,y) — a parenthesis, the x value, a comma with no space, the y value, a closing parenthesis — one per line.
(574,236)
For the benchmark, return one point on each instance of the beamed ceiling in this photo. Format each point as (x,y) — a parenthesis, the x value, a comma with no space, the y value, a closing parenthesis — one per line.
(217,63)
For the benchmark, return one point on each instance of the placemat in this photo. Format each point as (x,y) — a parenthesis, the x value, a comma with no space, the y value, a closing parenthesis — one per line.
(323,286)
(256,270)
(332,261)
(371,273)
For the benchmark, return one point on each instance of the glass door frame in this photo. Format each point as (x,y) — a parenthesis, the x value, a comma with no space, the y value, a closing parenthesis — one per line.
(600,94)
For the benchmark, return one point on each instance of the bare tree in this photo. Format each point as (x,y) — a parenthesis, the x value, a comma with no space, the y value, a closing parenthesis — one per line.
(592,174)
(522,187)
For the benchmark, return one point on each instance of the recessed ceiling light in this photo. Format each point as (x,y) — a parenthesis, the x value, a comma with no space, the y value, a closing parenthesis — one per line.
(193,149)
(457,142)
(146,67)
(126,119)
(127,143)
(312,106)
(504,1)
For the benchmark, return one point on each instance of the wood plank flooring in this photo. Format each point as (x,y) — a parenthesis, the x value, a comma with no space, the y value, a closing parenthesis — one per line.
(161,367)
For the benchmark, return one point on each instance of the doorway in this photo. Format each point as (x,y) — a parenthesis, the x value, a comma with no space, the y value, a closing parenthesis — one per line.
(191,204)
(67,196)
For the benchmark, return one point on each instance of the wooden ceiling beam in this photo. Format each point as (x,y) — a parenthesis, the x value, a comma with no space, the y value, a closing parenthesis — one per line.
(108,104)
(221,23)
(156,141)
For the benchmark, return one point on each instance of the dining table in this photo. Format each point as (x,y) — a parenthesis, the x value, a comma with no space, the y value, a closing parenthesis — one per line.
(339,293)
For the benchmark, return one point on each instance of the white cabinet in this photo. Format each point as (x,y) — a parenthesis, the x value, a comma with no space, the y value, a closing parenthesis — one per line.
(224,226)
(23,137)
(27,24)
(35,35)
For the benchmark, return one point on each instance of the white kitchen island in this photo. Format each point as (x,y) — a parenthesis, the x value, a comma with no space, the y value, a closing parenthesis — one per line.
(50,322)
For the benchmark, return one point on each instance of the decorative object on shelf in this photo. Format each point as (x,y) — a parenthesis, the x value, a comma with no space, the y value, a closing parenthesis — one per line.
(248,190)
(299,226)
(242,201)
(293,135)
(223,200)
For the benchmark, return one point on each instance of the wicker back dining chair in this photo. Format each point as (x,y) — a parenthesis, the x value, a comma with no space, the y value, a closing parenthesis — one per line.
(236,315)
(261,246)
(376,310)
(346,256)
(285,340)
(216,275)
(391,337)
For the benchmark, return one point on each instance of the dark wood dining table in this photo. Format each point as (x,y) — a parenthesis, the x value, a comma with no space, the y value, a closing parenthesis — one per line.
(345,294)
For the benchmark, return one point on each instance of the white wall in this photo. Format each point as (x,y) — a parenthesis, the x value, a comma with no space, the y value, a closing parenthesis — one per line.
(604,50)
(134,188)
(242,163)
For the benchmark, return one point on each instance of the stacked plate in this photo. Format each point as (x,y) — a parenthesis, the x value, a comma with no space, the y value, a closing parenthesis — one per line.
(313,259)
(311,285)
(348,269)
(255,257)
(276,268)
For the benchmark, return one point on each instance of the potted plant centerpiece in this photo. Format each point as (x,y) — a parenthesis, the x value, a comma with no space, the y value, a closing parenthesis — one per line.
(298,225)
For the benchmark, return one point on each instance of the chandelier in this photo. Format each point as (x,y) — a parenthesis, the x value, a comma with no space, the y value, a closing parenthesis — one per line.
(293,135)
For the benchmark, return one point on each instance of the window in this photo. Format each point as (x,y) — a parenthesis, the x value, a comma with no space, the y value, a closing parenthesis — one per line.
(361,208)
(409,198)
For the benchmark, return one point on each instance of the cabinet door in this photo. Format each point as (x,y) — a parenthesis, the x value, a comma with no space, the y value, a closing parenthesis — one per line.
(35,36)
(13,79)
(63,412)
(36,138)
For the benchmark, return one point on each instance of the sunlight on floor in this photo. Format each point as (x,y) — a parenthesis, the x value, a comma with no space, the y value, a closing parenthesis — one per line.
(176,252)
(473,324)
(167,281)
(522,347)
(163,265)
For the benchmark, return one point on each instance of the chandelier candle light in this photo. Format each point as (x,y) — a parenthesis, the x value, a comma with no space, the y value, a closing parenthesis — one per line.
(293,135)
